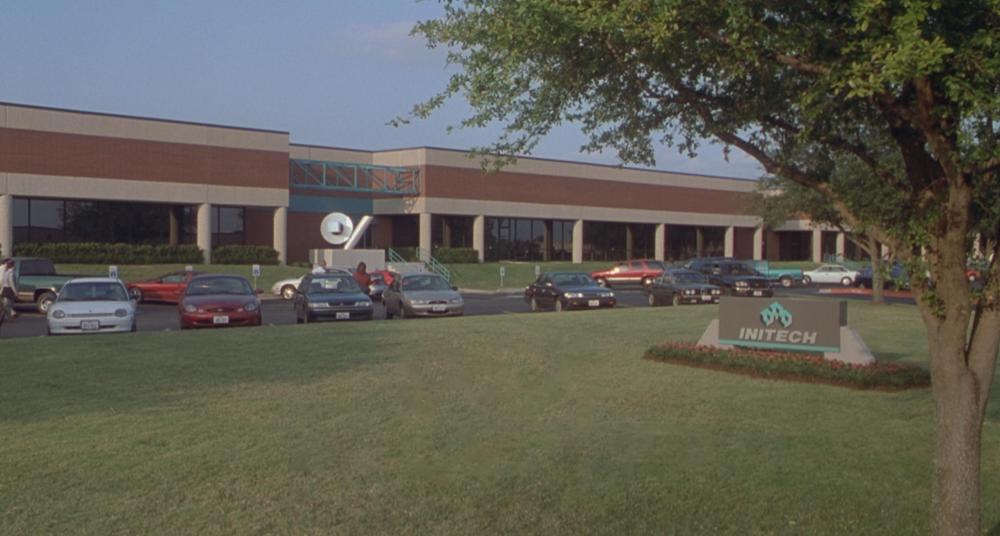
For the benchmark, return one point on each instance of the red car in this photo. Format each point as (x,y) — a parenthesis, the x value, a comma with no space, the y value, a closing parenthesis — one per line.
(166,288)
(639,272)
(215,301)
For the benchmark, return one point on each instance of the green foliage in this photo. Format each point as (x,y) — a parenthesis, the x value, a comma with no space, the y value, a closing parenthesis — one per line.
(237,254)
(791,366)
(456,255)
(100,253)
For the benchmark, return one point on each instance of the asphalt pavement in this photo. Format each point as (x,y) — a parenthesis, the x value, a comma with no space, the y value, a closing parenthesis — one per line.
(164,317)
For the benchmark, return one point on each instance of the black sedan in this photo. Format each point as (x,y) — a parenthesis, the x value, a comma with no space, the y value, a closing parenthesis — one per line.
(682,286)
(734,277)
(567,290)
(331,296)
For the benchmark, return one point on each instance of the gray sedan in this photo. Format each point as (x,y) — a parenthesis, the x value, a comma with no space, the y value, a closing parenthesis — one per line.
(421,294)
(331,296)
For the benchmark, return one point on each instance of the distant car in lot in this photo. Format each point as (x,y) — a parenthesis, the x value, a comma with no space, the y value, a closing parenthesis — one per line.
(38,282)
(677,286)
(331,297)
(166,288)
(639,272)
(421,294)
(835,274)
(91,305)
(286,287)
(896,277)
(735,278)
(219,301)
(567,290)
(786,277)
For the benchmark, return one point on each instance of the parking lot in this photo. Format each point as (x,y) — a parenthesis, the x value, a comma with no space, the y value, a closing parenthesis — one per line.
(164,317)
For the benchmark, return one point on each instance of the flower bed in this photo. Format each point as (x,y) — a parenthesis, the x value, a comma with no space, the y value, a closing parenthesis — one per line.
(793,366)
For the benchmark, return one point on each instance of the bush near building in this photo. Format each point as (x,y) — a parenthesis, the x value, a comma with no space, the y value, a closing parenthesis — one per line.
(244,255)
(98,253)
(456,255)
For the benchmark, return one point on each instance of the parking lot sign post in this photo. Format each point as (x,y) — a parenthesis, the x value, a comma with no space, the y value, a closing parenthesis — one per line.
(189,268)
(255,270)
(113,272)
(503,273)
(538,270)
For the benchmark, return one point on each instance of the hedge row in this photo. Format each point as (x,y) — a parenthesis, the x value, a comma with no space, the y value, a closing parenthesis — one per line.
(792,366)
(456,255)
(98,253)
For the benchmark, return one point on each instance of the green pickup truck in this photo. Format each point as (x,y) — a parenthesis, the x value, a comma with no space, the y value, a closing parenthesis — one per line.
(37,282)
(786,277)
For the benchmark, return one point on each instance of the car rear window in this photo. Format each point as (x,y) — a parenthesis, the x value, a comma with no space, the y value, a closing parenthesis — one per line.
(37,267)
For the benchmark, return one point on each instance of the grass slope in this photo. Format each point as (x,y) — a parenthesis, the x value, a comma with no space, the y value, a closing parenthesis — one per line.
(547,423)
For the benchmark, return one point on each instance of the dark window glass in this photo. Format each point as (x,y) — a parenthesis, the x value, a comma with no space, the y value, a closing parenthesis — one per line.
(46,220)
(228,223)
(37,267)
(21,227)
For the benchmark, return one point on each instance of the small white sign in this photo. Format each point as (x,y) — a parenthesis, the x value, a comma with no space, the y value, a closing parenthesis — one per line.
(189,268)
(255,270)
(113,272)
(538,270)
(503,271)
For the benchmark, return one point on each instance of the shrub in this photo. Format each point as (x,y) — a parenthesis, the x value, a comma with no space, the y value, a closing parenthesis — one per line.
(456,255)
(793,366)
(100,253)
(244,255)
(409,254)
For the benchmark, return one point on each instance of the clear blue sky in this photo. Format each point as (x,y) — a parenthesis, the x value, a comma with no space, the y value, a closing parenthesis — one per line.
(330,72)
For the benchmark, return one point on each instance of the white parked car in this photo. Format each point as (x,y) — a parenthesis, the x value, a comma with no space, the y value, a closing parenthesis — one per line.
(831,273)
(286,287)
(92,305)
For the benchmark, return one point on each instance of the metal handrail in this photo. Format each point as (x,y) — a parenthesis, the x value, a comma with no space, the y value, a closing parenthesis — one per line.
(433,264)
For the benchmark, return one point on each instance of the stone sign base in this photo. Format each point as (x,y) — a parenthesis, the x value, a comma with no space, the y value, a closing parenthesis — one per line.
(853,349)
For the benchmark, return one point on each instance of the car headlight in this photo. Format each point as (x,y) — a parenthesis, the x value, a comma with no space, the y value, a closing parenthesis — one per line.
(59,314)
(419,302)
(455,300)
(573,294)
(318,305)
(190,308)
(121,313)
(742,284)
(252,306)
(689,292)
(363,303)
(716,291)
(607,294)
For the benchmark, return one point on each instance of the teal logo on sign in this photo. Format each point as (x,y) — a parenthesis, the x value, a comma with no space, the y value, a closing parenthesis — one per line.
(776,313)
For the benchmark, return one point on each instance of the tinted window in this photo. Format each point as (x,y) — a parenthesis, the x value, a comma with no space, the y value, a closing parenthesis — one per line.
(689,278)
(327,285)
(425,282)
(635,266)
(219,285)
(37,267)
(572,280)
(93,292)
(173,278)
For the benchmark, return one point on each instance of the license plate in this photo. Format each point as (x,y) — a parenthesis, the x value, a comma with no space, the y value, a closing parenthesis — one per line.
(706,297)
(439,308)
(90,325)
(594,303)
(758,293)
(343,316)
(221,319)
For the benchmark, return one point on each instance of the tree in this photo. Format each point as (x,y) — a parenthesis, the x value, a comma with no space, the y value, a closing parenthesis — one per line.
(775,79)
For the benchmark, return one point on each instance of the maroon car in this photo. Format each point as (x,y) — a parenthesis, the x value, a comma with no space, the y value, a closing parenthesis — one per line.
(639,273)
(219,301)
(166,288)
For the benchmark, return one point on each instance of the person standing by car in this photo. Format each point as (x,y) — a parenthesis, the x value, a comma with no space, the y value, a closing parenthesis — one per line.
(319,267)
(362,276)
(8,289)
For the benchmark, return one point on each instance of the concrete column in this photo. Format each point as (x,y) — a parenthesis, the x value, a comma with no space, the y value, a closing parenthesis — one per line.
(817,245)
(729,244)
(547,240)
(842,246)
(629,241)
(699,242)
(578,241)
(280,232)
(176,213)
(425,233)
(660,242)
(758,244)
(6,225)
(479,236)
(204,222)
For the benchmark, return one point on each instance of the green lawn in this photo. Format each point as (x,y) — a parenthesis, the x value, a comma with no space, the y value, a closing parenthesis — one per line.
(547,423)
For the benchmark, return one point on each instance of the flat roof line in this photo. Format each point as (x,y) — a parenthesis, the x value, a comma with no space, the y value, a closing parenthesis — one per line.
(142,118)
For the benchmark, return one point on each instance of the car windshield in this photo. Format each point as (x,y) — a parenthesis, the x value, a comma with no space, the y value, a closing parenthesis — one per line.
(219,285)
(425,282)
(689,278)
(572,280)
(107,291)
(329,285)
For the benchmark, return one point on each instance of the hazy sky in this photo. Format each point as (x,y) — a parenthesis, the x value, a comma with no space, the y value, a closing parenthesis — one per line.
(330,72)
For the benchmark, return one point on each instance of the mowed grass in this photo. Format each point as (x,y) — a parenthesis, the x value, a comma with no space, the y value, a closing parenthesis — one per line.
(545,423)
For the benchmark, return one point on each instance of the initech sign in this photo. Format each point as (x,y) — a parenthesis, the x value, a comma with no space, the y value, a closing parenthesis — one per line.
(782,324)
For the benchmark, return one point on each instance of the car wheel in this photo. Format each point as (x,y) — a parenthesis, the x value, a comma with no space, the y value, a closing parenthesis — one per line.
(846,281)
(288,292)
(558,305)
(806,280)
(653,302)
(602,282)
(676,300)
(785,281)
(388,312)
(402,312)
(306,318)
(534,305)
(134,327)
(136,294)
(45,300)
